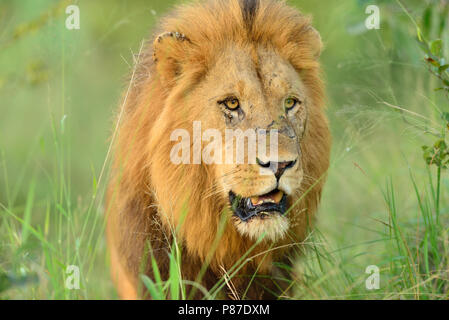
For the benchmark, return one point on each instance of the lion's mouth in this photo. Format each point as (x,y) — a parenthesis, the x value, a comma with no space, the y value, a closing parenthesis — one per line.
(258,206)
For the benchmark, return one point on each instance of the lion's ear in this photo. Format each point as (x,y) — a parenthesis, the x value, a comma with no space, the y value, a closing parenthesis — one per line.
(169,53)
(316,43)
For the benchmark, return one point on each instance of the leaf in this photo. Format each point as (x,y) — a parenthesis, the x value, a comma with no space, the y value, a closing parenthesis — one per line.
(427,20)
(174,277)
(443,68)
(436,47)
(154,292)
(156,272)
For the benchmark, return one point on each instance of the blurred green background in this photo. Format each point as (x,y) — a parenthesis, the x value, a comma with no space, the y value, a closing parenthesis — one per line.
(60,89)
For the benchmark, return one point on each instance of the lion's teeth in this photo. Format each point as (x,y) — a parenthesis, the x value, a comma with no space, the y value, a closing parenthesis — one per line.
(278,197)
(255,200)
(272,198)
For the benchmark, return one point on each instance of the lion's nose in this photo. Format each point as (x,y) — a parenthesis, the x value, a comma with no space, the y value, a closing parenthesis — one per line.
(278,168)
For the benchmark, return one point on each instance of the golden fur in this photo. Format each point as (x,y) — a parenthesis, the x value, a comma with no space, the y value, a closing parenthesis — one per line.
(257,49)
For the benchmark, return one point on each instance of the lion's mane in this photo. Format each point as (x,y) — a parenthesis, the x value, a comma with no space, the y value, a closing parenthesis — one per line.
(148,195)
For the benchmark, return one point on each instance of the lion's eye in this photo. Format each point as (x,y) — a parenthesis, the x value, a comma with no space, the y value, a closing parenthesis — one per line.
(232,104)
(290,103)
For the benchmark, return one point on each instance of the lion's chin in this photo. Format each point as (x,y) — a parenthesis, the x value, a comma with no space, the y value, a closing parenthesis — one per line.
(271,227)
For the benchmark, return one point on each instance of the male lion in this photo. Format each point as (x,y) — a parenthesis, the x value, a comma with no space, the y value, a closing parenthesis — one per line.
(228,64)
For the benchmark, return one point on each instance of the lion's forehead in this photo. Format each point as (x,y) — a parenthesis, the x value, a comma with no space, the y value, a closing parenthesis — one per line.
(255,73)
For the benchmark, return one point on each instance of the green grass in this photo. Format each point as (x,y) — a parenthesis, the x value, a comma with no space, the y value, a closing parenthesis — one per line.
(384,203)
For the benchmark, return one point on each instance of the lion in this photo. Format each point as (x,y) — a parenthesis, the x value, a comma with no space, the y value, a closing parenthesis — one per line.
(228,64)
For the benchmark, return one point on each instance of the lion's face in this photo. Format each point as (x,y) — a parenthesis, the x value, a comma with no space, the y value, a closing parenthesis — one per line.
(241,72)
(267,98)
(241,66)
